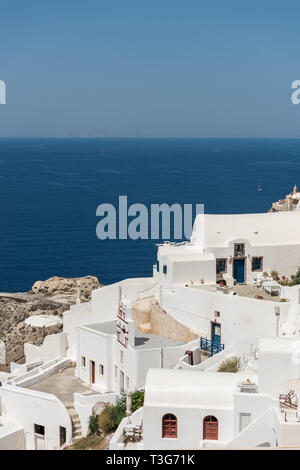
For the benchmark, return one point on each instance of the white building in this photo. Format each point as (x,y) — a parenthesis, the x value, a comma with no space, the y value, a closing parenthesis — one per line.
(197,409)
(44,405)
(115,356)
(233,247)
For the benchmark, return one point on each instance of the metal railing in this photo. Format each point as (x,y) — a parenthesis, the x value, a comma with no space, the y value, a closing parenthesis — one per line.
(210,346)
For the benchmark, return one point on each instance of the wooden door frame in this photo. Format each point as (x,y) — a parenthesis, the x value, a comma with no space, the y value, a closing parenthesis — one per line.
(92,371)
(207,423)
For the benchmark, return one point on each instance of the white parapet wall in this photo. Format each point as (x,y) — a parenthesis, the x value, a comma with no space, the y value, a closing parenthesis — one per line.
(291,293)
(39,373)
(244,349)
(53,346)
(85,404)
(117,441)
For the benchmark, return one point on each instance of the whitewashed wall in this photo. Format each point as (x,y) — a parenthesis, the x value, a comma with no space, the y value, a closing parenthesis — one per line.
(13,440)
(85,404)
(291,293)
(98,347)
(240,317)
(181,271)
(52,347)
(285,259)
(260,431)
(189,426)
(29,407)
(106,350)
(285,353)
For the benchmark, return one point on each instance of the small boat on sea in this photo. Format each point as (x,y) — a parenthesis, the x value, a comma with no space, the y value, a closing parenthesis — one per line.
(259,187)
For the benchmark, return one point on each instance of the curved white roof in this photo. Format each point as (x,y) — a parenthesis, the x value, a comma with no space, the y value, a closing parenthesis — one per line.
(41,321)
(278,228)
(191,389)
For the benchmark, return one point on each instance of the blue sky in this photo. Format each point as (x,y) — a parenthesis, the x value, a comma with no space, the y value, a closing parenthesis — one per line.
(149,68)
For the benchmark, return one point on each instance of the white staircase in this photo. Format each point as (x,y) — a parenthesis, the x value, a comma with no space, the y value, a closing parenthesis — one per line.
(76,425)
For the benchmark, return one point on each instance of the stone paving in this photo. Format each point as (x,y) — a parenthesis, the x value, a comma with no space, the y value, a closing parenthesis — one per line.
(252,291)
(63,384)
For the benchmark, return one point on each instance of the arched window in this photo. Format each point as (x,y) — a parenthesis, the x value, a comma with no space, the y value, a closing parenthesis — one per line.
(169,426)
(210,428)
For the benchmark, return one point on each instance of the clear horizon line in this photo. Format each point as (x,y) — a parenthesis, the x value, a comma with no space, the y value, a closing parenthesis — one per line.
(149,138)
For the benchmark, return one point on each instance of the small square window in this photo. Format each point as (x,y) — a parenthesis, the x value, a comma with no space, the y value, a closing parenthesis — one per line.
(82,361)
(38,429)
(101,369)
(221,266)
(239,249)
(257,263)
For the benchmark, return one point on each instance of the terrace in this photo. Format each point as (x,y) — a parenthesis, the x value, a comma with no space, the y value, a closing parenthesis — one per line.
(243,290)
(63,384)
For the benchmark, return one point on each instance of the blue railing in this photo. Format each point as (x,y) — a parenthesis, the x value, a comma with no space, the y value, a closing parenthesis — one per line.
(210,346)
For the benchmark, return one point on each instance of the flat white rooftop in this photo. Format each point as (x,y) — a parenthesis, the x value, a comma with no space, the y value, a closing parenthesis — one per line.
(142,340)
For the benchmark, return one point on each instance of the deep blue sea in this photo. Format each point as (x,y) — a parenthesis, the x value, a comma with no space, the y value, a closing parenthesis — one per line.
(50,189)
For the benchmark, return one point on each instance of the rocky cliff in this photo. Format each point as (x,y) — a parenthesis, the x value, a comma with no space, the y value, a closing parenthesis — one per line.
(50,297)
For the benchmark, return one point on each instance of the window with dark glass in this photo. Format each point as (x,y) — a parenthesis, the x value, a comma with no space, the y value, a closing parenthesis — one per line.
(62,435)
(257,263)
(38,429)
(239,249)
(169,426)
(165,269)
(221,266)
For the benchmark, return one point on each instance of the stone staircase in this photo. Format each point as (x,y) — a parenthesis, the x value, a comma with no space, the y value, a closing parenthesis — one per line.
(76,425)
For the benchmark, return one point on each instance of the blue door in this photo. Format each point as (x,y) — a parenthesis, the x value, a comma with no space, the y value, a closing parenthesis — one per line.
(216,333)
(239,270)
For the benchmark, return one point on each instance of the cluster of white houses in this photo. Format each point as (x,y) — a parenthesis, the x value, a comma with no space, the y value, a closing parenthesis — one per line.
(209,300)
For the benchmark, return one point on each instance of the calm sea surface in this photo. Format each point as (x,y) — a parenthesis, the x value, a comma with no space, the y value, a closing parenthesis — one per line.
(50,189)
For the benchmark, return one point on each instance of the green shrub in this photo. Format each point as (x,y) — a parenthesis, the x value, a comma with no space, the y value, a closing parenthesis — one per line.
(296,278)
(231,364)
(93,423)
(111,416)
(106,419)
(137,400)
